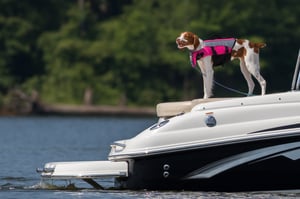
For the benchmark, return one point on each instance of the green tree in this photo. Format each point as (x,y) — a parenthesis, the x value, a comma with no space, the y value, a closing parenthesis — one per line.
(75,59)
(125,51)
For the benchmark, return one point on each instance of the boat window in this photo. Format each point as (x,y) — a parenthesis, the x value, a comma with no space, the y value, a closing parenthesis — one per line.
(159,124)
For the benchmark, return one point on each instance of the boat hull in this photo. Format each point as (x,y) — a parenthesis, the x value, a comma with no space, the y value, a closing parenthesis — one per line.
(268,164)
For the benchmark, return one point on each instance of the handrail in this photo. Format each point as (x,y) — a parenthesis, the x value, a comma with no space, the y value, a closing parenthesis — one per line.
(296,77)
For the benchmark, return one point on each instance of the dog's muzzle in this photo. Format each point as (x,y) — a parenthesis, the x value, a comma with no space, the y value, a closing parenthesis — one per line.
(181,43)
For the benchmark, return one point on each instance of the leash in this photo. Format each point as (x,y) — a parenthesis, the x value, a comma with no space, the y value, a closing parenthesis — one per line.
(223,86)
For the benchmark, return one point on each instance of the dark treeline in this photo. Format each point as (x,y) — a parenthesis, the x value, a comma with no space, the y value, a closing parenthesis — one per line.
(123,52)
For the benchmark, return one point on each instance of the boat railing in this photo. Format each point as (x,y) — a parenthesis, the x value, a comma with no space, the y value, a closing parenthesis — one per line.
(296,77)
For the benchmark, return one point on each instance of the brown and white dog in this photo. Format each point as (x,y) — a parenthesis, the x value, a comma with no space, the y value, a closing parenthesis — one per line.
(244,50)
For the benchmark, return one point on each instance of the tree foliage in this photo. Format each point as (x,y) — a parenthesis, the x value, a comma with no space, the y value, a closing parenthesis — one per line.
(125,51)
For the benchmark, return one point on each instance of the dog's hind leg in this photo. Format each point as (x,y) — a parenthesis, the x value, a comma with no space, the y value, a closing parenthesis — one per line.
(262,82)
(254,68)
(247,76)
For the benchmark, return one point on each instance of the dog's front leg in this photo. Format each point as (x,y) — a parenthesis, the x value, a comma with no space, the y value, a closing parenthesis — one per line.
(205,65)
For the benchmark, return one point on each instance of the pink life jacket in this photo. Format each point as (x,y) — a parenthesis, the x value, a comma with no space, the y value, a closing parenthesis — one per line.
(219,49)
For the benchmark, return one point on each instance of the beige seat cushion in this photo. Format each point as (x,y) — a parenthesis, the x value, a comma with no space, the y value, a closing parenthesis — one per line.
(169,109)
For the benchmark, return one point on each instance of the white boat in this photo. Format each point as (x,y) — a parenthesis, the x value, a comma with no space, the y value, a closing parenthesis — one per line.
(231,144)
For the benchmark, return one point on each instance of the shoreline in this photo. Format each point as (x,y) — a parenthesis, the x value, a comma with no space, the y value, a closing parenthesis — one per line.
(96,110)
(22,104)
(41,109)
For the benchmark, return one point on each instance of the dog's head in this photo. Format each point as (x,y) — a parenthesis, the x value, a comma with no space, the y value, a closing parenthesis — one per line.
(188,40)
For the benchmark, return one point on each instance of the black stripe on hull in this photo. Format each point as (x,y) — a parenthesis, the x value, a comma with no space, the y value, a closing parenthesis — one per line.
(278,128)
(186,170)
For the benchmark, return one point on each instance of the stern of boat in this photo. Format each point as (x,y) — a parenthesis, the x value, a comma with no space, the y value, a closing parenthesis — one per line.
(87,171)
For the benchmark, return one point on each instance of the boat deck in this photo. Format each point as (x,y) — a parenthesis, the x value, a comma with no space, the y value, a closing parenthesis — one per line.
(169,109)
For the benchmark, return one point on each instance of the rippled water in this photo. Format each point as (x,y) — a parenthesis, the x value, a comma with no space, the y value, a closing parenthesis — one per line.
(28,142)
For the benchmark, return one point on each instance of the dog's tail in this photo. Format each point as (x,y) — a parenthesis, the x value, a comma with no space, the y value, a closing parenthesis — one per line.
(260,45)
(257,46)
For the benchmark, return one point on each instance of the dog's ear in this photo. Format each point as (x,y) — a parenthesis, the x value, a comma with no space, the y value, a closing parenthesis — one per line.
(196,42)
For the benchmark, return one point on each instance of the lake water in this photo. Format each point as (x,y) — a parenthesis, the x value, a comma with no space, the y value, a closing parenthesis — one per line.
(28,142)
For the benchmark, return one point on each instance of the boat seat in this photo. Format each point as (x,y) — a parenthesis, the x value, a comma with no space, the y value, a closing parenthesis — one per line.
(169,109)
